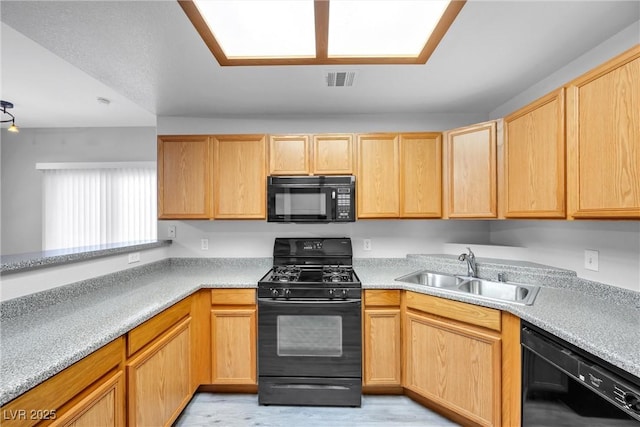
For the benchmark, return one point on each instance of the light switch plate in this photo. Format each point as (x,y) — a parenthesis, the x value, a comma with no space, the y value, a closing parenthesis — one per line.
(591,259)
(171,232)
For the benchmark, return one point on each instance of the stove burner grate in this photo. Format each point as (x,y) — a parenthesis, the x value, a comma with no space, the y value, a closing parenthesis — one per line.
(335,274)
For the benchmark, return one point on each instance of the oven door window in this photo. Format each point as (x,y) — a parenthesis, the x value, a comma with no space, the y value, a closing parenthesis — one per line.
(309,204)
(309,339)
(309,336)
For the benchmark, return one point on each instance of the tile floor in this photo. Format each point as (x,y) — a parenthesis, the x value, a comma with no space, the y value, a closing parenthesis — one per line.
(241,410)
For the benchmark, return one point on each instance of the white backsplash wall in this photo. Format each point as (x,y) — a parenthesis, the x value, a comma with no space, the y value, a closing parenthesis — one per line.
(555,243)
(562,244)
(389,239)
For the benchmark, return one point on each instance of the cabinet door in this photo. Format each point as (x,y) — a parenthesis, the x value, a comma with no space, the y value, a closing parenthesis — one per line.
(104,407)
(289,155)
(332,155)
(534,159)
(233,346)
(454,366)
(382,347)
(421,175)
(603,140)
(378,176)
(184,177)
(470,157)
(159,379)
(240,176)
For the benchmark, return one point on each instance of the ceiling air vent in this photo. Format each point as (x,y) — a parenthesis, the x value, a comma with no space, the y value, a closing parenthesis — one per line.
(340,78)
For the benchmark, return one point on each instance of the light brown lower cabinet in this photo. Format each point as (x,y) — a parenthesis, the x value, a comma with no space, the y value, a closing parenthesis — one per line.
(381,368)
(233,338)
(462,360)
(160,379)
(459,359)
(64,392)
(101,408)
(382,347)
(455,366)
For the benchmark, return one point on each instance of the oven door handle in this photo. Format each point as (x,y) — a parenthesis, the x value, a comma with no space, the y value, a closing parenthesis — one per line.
(269,301)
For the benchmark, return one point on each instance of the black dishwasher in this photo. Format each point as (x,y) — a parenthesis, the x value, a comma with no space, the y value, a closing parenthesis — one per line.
(563,385)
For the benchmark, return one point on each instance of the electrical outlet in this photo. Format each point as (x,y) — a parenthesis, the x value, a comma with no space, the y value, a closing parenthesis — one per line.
(591,259)
(204,244)
(366,245)
(171,232)
(134,257)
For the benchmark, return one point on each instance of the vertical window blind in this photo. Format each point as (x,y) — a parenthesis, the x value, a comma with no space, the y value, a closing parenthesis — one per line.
(94,204)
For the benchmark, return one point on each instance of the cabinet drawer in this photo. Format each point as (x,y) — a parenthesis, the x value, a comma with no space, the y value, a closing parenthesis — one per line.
(382,297)
(233,296)
(152,328)
(463,312)
(61,388)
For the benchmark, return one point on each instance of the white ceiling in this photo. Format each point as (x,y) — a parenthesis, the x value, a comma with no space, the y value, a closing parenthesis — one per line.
(147,57)
(47,91)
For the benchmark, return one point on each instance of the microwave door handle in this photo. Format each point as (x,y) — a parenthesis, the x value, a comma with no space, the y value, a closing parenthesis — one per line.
(333,206)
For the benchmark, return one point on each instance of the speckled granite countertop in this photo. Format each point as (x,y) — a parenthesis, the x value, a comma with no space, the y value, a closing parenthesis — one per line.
(34,260)
(44,333)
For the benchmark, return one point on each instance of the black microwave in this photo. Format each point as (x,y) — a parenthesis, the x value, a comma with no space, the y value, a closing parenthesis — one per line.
(311,198)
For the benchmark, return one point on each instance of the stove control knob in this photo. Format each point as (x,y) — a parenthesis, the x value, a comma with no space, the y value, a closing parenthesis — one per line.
(345,293)
(287,293)
(332,293)
(632,402)
(274,293)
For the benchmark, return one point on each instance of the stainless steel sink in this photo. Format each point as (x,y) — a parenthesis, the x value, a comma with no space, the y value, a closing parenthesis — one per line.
(485,289)
(431,278)
(499,291)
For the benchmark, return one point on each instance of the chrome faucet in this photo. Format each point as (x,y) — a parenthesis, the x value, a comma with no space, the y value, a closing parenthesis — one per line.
(472,268)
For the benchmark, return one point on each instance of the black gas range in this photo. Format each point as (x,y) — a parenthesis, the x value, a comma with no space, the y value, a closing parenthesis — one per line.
(309,325)
(292,281)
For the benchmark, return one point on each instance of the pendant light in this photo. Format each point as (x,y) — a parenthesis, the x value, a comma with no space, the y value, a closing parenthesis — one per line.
(4,105)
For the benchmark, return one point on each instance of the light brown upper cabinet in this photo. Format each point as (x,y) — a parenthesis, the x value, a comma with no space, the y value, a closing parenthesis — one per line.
(421,175)
(603,140)
(240,176)
(289,155)
(378,176)
(399,175)
(534,171)
(470,172)
(323,154)
(332,154)
(184,177)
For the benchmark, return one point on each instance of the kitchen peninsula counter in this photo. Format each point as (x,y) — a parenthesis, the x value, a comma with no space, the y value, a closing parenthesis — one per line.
(44,333)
